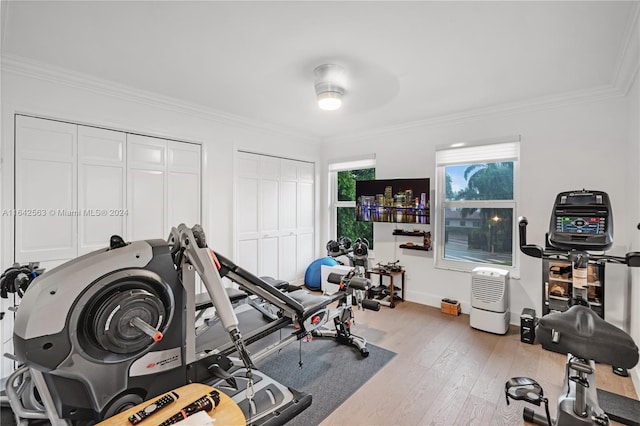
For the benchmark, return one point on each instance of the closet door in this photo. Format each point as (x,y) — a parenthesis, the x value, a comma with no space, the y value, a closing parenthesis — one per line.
(269,202)
(184,194)
(101,187)
(288,219)
(275,211)
(305,218)
(146,187)
(247,213)
(45,181)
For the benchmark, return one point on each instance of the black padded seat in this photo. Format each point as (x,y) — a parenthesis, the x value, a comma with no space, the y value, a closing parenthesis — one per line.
(310,302)
(203,301)
(279,284)
(582,333)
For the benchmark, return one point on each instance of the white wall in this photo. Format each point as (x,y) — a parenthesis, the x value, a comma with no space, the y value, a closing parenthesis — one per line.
(563,148)
(633,181)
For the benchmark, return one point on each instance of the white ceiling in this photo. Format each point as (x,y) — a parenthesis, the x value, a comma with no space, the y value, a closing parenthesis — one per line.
(405,61)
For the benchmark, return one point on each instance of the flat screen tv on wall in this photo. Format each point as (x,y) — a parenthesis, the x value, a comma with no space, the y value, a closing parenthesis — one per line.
(393,200)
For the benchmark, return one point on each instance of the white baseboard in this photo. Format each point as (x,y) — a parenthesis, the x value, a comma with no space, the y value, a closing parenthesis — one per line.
(433,300)
(465,306)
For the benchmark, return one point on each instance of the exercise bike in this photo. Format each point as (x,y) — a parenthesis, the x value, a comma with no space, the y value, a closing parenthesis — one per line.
(581,222)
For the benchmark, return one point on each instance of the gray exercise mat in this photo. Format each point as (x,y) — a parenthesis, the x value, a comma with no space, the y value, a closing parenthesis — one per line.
(331,373)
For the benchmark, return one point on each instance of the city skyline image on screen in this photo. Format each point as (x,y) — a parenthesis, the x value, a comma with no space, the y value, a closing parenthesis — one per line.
(393,200)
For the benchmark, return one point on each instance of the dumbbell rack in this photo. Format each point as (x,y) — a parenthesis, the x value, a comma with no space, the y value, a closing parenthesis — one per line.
(392,298)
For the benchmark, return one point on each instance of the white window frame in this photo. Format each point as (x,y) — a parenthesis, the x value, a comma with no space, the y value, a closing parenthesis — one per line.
(334,167)
(487,151)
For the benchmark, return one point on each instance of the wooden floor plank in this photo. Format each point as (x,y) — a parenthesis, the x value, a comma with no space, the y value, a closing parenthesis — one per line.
(475,411)
(447,373)
(494,370)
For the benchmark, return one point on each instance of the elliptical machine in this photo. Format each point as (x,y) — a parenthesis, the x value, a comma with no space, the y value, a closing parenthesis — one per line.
(581,221)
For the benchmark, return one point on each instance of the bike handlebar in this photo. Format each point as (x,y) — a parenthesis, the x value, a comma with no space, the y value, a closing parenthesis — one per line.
(528,249)
(631,259)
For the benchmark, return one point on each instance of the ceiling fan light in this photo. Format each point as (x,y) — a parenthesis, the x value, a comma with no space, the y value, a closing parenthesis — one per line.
(329,101)
(329,86)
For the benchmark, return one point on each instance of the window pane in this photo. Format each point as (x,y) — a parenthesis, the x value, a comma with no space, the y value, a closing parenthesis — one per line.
(347,226)
(347,182)
(482,181)
(479,235)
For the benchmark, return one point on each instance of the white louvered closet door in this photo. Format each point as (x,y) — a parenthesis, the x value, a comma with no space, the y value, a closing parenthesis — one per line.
(147,187)
(163,186)
(76,186)
(288,220)
(46,186)
(183,186)
(275,215)
(269,218)
(101,187)
(305,217)
(247,181)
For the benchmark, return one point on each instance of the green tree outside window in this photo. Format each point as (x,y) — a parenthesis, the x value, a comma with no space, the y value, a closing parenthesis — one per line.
(489,239)
(346,223)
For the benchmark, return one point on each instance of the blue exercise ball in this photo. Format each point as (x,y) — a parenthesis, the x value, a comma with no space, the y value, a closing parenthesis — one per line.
(312,278)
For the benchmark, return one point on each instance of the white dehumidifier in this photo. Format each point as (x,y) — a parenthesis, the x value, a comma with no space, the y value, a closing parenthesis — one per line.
(490,300)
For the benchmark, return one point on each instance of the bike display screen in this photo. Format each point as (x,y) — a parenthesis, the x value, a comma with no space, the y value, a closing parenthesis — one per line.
(580,225)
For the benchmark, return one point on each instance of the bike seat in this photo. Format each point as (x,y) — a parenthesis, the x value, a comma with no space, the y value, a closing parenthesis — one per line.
(582,333)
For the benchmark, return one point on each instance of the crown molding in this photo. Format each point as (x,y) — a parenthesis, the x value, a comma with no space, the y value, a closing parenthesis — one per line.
(628,62)
(25,67)
(625,72)
(4,14)
(541,103)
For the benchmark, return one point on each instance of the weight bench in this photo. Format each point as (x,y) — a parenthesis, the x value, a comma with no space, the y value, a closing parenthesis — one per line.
(301,308)
(306,310)
(283,305)
(203,300)
(281,285)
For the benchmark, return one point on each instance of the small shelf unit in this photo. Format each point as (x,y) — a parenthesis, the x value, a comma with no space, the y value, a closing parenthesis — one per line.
(557,286)
(415,247)
(414,233)
(409,233)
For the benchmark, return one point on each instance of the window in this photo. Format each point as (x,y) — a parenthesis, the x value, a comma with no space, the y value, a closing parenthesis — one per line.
(343,177)
(476,206)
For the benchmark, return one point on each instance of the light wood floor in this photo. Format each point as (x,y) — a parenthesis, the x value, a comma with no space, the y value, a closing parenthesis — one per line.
(446,373)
